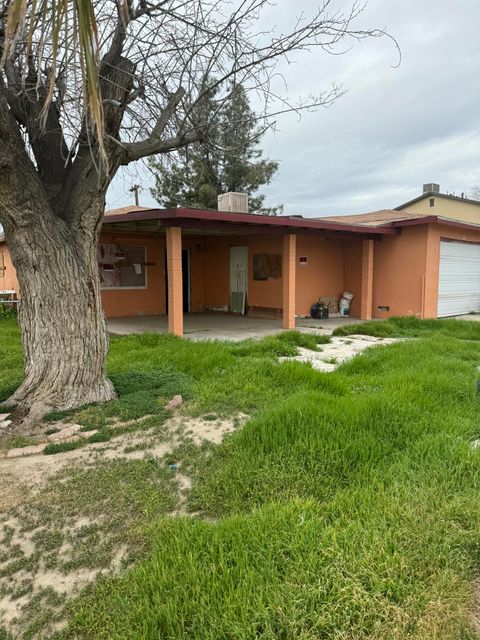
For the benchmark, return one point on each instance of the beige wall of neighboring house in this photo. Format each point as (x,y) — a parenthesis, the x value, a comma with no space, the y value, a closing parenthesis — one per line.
(446,206)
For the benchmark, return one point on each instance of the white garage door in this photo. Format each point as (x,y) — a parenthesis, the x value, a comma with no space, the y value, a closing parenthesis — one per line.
(459,278)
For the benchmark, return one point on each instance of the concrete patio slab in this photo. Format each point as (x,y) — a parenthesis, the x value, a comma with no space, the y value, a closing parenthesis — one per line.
(222,326)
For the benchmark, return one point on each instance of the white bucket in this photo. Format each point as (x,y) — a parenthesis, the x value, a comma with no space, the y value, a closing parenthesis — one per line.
(344,304)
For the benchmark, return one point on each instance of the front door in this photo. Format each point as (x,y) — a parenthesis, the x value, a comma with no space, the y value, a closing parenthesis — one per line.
(238,279)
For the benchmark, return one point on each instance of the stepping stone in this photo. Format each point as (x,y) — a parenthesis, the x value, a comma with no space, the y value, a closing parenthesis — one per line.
(65,433)
(25,451)
(87,434)
(175,402)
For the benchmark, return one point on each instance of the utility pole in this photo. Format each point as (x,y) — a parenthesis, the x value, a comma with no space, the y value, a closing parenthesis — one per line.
(134,189)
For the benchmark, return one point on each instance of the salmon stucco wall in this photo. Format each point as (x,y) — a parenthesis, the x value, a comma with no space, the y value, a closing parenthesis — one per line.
(150,300)
(264,294)
(352,273)
(217,272)
(323,273)
(399,273)
(196,248)
(8,277)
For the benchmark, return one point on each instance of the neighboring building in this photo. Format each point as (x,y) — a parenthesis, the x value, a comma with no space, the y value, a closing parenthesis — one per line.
(395,262)
(8,277)
(432,202)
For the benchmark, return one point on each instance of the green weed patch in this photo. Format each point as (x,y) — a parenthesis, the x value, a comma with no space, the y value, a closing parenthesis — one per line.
(346,508)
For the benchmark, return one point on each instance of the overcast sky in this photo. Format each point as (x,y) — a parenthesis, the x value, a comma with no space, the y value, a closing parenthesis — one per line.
(395,128)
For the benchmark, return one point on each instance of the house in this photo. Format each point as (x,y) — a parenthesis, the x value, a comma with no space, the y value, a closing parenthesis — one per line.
(8,279)
(176,261)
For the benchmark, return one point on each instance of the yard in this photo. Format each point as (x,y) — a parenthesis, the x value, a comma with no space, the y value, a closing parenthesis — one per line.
(339,505)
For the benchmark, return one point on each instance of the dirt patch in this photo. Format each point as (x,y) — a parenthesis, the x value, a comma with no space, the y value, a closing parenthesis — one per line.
(475,609)
(65,519)
(31,470)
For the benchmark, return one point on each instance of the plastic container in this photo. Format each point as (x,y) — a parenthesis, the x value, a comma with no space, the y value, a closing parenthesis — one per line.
(344,304)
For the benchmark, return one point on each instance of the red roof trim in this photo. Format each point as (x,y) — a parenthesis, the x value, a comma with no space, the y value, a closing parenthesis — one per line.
(246,219)
(415,221)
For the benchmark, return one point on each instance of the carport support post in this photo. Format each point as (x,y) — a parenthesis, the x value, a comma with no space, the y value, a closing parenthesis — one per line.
(175,286)
(367,280)
(289,266)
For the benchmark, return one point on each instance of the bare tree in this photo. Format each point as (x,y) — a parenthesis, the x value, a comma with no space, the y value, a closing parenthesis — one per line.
(60,147)
(475,193)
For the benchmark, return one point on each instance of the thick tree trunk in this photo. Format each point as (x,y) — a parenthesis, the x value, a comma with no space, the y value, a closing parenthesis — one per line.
(61,319)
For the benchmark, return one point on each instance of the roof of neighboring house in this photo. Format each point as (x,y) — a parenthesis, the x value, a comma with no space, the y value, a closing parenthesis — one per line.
(123,210)
(388,218)
(378,218)
(435,194)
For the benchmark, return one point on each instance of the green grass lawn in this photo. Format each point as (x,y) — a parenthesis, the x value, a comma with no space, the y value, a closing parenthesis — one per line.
(347,508)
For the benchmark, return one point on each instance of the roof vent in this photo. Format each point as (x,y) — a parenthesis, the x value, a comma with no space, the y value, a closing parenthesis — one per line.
(431,187)
(234,202)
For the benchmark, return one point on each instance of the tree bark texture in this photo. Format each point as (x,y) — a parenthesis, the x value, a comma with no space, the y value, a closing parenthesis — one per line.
(61,318)
(52,236)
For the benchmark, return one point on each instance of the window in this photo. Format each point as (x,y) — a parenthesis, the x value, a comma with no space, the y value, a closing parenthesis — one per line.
(432,202)
(266,266)
(122,266)
(2,264)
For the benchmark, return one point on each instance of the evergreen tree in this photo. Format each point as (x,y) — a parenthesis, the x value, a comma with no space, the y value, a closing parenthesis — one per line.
(227,159)
(242,167)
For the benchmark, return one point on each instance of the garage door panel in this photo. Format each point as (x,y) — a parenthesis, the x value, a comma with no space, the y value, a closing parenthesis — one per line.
(459,278)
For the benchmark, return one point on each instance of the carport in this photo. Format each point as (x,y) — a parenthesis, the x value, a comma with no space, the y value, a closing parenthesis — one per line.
(281,265)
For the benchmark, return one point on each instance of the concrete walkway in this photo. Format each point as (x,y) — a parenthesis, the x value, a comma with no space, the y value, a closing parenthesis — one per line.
(330,356)
(470,316)
(222,326)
